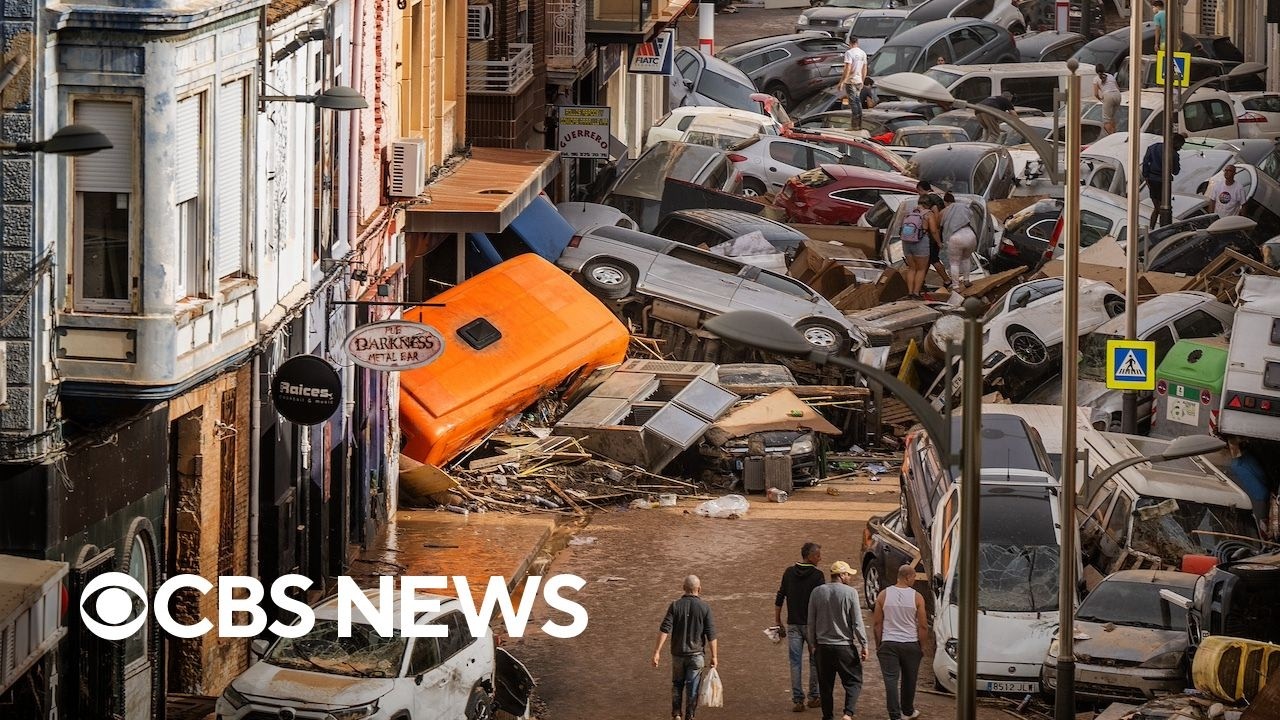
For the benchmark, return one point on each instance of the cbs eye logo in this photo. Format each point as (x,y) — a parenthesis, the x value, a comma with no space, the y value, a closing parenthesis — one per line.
(109,602)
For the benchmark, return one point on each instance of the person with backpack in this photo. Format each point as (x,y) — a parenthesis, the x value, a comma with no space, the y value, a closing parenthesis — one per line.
(916,245)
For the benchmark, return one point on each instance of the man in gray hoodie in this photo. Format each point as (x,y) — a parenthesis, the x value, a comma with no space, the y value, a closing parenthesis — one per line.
(839,638)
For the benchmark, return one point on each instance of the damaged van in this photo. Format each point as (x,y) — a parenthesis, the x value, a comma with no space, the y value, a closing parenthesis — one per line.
(322,674)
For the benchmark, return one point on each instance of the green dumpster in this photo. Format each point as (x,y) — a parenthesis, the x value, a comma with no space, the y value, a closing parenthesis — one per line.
(1189,388)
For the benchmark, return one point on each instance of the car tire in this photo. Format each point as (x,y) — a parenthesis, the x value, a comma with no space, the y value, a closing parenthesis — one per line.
(608,279)
(824,334)
(779,91)
(479,705)
(871,584)
(1027,348)
(1114,306)
(752,187)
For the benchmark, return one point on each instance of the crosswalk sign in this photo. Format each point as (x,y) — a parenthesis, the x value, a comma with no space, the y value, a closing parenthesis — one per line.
(1131,365)
(1181,68)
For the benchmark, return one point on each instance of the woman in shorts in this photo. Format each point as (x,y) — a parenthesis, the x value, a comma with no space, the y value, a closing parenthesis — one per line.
(916,250)
(1107,92)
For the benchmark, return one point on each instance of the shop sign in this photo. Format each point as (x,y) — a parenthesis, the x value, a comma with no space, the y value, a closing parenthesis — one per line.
(653,57)
(306,390)
(583,132)
(394,345)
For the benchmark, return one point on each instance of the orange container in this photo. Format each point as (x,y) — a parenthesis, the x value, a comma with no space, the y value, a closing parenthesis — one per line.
(552,332)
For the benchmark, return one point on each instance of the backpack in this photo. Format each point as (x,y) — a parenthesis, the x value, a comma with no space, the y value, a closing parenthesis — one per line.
(913,225)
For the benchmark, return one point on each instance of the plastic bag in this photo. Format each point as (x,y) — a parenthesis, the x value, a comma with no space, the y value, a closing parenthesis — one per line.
(711,694)
(729,506)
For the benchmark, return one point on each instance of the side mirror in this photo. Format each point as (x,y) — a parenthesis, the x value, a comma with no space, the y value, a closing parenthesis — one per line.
(688,85)
(417,679)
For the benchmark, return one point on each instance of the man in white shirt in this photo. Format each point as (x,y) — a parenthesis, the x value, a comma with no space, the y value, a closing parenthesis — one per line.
(855,74)
(1225,193)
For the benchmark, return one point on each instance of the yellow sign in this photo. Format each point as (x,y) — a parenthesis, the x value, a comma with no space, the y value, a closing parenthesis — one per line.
(1131,365)
(1181,68)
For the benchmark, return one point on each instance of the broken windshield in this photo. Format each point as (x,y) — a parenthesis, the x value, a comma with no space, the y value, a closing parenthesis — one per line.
(1015,578)
(1170,528)
(1136,604)
(364,654)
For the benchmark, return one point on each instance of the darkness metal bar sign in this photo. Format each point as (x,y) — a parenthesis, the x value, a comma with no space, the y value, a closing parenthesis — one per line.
(394,345)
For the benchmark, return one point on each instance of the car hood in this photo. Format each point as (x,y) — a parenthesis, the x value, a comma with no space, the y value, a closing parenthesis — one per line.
(1089,393)
(831,13)
(1125,644)
(315,689)
(1011,638)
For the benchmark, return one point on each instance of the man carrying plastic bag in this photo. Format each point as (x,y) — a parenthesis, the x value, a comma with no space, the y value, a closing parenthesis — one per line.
(693,633)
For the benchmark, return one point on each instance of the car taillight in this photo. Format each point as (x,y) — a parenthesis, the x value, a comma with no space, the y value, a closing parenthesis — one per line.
(1008,248)
(814,60)
(735,157)
(883,138)
(1251,117)
(573,241)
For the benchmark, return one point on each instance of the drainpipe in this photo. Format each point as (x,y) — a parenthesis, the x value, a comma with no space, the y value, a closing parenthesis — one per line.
(353,132)
(255,463)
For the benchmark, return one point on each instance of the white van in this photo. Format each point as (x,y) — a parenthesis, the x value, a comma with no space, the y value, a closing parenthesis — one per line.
(1032,84)
(1251,387)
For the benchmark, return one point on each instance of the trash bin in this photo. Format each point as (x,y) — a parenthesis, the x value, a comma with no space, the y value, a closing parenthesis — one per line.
(1189,388)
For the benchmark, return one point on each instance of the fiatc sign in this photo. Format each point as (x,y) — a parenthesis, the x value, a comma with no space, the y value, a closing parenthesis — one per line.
(394,345)
(584,132)
(653,58)
(306,390)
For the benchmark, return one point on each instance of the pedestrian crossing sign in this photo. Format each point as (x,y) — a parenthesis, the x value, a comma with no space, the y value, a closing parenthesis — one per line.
(1131,365)
(1181,69)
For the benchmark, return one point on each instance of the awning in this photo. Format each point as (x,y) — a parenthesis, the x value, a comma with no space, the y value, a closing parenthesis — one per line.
(30,612)
(485,193)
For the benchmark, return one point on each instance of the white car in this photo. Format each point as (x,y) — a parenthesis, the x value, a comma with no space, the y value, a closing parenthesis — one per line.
(370,677)
(587,216)
(673,125)
(1206,113)
(768,162)
(1258,114)
(1025,326)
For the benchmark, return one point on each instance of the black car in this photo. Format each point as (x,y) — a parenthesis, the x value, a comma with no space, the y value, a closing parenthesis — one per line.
(1189,252)
(882,555)
(958,41)
(1201,69)
(1047,45)
(1026,237)
(931,10)
(969,167)
(1111,51)
(712,227)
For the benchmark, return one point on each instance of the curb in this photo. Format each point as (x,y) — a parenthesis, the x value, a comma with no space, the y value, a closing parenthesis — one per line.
(522,569)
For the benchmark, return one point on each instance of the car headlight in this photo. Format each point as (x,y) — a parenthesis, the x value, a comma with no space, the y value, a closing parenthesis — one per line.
(355,713)
(230,700)
(951,647)
(1053,648)
(848,22)
(802,446)
(803,20)
(1165,660)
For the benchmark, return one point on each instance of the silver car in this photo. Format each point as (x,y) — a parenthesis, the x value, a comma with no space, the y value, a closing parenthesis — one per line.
(767,162)
(614,262)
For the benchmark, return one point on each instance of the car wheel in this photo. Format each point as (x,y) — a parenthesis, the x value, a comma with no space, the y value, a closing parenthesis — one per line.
(479,705)
(1028,348)
(824,334)
(608,279)
(871,583)
(779,91)
(752,187)
(1114,306)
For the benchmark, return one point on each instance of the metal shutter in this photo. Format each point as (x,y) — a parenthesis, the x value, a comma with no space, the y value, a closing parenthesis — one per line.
(186,154)
(230,171)
(1208,17)
(107,170)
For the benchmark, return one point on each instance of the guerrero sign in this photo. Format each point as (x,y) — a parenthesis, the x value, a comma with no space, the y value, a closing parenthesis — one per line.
(394,345)
(584,132)
(306,390)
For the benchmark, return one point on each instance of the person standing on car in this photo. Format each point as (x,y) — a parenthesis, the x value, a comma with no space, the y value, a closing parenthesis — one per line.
(867,95)
(855,75)
(1107,91)
(839,639)
(961,240)
(693,633)
(1154,173)
(929,200)
(1225,193)
(900,626)
(798,583)
(1160,20)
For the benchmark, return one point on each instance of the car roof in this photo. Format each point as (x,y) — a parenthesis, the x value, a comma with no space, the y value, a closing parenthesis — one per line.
(1208,485)
(930,130)
(719,111)
(1048,67)
(925,33)
(950,151)
(1042,40)
(1154,97)
(740,222)
(886,12)
(934,10)
(865,173)
(1159,310)
(327,609)
(750,46)
(1158,577)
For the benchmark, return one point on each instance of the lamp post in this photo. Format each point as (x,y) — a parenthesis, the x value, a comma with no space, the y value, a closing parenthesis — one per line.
(1129,407)
(338,97)
(772,334)
(1173,27)
(1177,449)
(73,140)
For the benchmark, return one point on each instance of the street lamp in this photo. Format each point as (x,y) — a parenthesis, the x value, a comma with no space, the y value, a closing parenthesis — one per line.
(773,334)
(338,97)
(1177,449)
(73,140)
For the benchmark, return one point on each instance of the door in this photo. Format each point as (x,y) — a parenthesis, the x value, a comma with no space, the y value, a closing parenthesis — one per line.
(772,293)
(433,694)
(695,278)
(785,160)
(513,684)
(137,648)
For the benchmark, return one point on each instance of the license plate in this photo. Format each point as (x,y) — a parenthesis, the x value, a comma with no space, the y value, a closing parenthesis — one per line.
(836,69)
(1183,411)
(996,686)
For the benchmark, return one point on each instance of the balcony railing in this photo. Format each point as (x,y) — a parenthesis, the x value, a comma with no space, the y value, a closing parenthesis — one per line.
(566,33)
(506,77)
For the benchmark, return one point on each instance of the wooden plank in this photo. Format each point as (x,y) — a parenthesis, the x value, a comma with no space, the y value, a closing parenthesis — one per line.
(804,391)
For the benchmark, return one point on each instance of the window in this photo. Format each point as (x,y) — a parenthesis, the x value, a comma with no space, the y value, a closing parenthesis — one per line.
(1163,339)
(821,156)
(1119,517)
(705,260)
(231,169)
(459,635)
(822,45)
(726,91)
(965,42)
(1061,54)
(782,284)
(1271,376)
(788,153)
(424,656)
(863,196)
(687,64)
(973,89)
(1263,103)
(1198,324)
(976,9)
(1042,230)
(188,164)
(1093,227)
(751,63)
(681,230)
(685,122)
(983,174)
(938,51)
(1036,92)
(867,159)
(103,227)
(1220,114)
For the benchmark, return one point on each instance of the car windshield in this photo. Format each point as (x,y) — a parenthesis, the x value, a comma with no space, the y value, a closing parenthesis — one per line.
(1093,111)
(1135,604)
(946,173)
(875,27)
(814,178)
(1170,529)
(647,177)
(938,136)
(716,140)
(891,59)
(364,654)
(943,77)
(1100,52)
(819,102)
(1018,554)
(859,4)
(1093,356)
(726,91)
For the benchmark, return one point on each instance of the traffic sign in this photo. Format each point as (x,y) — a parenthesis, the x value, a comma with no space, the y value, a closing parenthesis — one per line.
(1131,365)
(1181,68)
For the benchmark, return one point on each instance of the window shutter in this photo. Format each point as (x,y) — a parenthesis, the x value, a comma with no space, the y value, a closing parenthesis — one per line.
(230,178)
(107,170)
(187,150)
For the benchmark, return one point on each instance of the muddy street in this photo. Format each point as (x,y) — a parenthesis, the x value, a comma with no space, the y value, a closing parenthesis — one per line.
(634,567)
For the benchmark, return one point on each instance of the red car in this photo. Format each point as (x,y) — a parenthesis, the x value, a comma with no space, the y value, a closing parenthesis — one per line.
(838,194)
(856,150)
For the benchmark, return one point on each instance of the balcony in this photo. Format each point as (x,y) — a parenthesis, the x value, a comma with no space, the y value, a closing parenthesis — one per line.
(501,77)
(622,21)
(566,34)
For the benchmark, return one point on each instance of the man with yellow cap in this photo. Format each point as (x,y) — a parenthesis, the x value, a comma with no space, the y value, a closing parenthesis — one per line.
(839,638)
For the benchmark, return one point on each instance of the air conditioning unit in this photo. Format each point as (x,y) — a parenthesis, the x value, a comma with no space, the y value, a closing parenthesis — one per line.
(408,175)
(479,22)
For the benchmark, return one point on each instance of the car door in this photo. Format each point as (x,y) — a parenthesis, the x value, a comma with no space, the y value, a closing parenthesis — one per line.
(695,278)
(774,294)
(1198,324)
(434,692)
(966,45)
(467,659)
(784,160)
(688,70)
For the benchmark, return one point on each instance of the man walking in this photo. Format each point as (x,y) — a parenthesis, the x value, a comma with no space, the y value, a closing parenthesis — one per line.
(839,639)
(1161,22)
(1225,193)
(798,583)
(900,625)
(1153,171)
(688,623)
(855,74)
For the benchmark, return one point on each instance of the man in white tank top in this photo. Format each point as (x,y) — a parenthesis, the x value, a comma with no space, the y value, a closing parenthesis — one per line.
(899,625)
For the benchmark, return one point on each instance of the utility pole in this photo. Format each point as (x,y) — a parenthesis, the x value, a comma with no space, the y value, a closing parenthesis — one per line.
(970,514)
(706,27)
(1173,32)
(1129,409)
